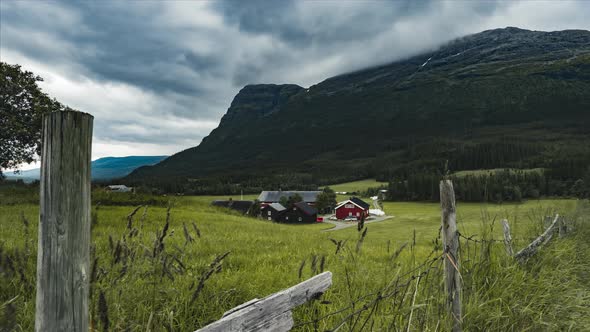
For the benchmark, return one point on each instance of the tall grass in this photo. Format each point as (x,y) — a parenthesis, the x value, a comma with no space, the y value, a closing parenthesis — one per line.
(549,292)
(172,269)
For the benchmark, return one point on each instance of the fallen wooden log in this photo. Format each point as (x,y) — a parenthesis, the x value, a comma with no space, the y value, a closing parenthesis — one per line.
(272,313)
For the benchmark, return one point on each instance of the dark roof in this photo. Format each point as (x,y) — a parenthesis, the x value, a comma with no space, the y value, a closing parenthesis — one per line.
(275,196)
(360,202)
(306,208)
(355,200)
(242,206)
(276,206)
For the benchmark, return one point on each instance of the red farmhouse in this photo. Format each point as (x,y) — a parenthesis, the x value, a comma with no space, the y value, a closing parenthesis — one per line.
(354,207)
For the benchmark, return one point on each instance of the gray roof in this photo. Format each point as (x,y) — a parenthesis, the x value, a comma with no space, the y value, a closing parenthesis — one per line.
(309,210)
(277,206)
(275,196)
(357,201)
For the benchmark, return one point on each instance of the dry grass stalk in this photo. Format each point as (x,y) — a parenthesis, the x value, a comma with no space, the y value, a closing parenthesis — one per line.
(117,253)
(159,244)
(301,266)
(130,217)
(187,236)
(359,244)
(214,267)
(111,243)
(103,311)
(413,303)
(196,230)
(398,251)
(339,244)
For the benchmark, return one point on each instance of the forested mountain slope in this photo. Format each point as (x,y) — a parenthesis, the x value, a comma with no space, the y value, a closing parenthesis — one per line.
(106,168)
(500,98)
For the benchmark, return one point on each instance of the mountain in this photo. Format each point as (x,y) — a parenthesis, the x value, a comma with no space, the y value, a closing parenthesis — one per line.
(102,169)
(500,98)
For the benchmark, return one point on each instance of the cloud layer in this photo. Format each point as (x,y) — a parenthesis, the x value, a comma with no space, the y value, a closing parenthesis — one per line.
(158,76)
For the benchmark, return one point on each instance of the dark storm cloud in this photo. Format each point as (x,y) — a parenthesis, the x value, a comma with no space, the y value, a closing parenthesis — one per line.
(111,41)
(165,72)
(347,21)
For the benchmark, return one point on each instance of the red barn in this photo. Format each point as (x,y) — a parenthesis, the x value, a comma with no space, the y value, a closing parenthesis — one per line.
(353,207)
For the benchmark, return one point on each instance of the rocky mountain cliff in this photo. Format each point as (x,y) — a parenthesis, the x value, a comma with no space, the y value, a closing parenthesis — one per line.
(527,89)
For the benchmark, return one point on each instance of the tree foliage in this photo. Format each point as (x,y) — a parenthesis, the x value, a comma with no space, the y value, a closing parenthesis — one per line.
(326,200)
(22,105)
(289,201)
(499,186)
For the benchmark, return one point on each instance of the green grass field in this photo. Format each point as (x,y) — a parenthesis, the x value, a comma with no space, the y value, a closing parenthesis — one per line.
(264,257)
(357,186)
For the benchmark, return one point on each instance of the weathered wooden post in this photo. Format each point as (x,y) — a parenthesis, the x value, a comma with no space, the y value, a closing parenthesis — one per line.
(64,223)
(450,239)
(562,227)
(507,238)
(272,313)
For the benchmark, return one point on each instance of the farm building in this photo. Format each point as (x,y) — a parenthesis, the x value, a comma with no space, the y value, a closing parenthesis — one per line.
(353,207)
(268,197)
(272,211)
(119,188)
(240,206)
(299,213)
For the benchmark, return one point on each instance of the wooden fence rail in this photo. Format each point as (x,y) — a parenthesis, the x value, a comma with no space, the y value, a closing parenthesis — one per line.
(532,248)
(272,313)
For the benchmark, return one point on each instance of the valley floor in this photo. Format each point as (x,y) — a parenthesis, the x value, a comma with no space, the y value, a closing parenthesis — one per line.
(265,257)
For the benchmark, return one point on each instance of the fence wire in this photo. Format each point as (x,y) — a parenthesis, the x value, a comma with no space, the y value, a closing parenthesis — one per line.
(360,313)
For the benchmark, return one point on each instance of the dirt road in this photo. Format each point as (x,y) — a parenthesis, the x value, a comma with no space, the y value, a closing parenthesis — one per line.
(338,225)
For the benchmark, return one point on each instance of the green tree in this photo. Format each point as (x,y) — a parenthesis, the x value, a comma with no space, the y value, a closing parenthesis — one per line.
(289,201)
(254,210)
(326,200)
(284,201)
(579,188)
(22,105)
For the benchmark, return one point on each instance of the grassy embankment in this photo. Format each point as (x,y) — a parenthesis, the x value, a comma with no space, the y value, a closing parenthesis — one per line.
(163,290)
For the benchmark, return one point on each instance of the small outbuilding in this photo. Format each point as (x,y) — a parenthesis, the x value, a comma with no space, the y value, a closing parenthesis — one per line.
(353,207)
(300,212)
(272,211)
(119,188)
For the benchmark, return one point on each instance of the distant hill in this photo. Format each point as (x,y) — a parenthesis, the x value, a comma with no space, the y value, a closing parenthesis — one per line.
(500,98)
(102,169)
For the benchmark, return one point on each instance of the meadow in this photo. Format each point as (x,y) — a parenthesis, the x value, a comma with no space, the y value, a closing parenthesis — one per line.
(179,269)
(357,186)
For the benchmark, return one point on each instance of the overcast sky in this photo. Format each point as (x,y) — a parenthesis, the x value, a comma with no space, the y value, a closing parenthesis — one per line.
(158,76)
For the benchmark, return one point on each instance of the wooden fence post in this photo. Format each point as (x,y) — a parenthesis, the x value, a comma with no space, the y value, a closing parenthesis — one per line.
(507,238)
(64,223)
(450,239)
(562,227)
